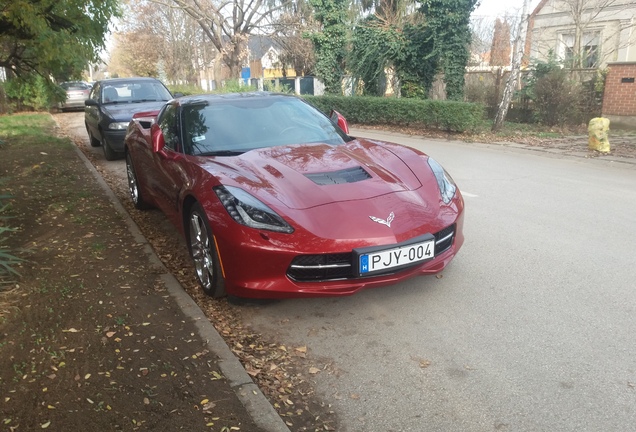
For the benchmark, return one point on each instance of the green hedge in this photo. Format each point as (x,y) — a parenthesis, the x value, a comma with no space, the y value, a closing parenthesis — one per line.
(439,114)
(30,92)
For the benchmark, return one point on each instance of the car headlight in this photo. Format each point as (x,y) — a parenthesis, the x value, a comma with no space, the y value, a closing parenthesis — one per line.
(249,211)
(118,125)
(445,182)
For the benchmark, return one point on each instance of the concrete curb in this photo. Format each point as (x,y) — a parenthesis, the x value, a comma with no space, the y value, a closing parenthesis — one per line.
(254,401)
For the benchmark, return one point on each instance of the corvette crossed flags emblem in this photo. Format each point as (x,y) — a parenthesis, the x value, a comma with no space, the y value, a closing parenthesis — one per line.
(386,222)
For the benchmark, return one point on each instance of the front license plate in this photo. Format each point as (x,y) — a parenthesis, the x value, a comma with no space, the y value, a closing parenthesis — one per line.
(396,257)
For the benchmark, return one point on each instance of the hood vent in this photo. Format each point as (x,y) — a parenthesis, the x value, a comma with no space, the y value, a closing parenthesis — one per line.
(348,175)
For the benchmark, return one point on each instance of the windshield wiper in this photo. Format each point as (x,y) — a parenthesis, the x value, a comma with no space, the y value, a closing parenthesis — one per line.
(222,153)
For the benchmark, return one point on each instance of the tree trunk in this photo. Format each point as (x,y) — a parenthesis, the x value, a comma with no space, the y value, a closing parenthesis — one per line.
(511,84)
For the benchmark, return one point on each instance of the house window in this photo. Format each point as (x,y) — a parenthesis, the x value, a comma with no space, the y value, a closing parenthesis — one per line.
(589,52)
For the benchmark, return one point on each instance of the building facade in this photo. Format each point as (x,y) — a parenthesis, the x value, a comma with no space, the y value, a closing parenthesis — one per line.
(585,34)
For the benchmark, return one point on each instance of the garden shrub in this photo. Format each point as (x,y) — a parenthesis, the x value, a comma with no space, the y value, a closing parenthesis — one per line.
(32,92)
(557,99)
(439,114)
(185,89)
(592,96)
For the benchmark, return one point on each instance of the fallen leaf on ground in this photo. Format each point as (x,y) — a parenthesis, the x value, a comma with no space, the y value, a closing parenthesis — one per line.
(424,363)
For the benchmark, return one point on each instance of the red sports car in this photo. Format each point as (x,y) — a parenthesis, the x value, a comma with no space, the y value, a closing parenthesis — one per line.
(276,200)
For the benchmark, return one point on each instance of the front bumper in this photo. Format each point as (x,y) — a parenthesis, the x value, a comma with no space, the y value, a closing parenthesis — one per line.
(115,139)
(258,268)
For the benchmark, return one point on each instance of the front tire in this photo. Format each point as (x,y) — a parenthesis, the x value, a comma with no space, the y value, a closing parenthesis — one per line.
(133,186)
(204,253)
(94,141)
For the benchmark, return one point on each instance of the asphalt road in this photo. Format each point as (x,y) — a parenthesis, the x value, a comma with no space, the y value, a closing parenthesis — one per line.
(531,328)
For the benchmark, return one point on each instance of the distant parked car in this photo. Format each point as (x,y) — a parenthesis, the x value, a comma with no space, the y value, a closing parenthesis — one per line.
(111,105)
(76,93)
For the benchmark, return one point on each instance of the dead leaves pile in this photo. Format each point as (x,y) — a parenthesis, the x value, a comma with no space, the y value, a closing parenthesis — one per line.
(282,373)
(85,348)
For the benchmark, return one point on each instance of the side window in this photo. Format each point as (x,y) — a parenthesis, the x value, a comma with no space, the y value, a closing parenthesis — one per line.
(168,125)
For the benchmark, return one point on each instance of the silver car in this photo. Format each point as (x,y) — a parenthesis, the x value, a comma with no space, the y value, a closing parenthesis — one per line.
(76,93)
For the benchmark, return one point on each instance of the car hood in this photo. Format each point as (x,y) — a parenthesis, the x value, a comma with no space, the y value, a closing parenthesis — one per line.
(122,112)
(311,175)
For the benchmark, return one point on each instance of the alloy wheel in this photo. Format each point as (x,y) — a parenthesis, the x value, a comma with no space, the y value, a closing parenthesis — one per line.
(132,181)
(202,253)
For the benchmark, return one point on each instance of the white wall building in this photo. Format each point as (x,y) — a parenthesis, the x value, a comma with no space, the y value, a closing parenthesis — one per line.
(606,29)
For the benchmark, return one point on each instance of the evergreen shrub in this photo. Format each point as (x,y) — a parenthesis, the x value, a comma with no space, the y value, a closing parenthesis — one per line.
(431,114)
(32,92)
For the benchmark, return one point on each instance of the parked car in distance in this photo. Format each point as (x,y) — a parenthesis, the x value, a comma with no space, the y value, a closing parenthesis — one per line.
(111,105)
(76,93)
(275,200)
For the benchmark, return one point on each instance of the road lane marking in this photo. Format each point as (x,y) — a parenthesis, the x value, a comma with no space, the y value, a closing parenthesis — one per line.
(469,195)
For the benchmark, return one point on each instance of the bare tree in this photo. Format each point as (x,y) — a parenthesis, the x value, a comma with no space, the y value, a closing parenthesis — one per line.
(158,41)
(515,68)
(482,36)
(583,13)
(577,39)
(134,54)
(483,31)
(229,23)
(290,30)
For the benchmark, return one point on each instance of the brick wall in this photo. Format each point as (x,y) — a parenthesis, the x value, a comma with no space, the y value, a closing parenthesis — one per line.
(619,98)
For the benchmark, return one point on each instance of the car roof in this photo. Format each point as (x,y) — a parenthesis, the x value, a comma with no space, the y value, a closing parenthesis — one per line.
(131,79)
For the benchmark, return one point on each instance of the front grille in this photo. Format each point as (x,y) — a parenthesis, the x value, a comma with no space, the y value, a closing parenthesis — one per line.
(325,267)
(444,239)
(348,175)
(322,267)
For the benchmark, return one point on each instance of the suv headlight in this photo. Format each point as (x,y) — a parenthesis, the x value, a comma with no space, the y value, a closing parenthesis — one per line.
(249,211)
(445,182)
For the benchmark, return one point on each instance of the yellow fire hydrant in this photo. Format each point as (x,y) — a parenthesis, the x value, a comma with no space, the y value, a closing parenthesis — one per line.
(598,129)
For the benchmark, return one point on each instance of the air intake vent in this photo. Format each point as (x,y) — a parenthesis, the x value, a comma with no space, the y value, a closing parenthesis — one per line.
(349,175)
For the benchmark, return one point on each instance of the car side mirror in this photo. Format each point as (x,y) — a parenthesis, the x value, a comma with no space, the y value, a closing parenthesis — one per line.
(158,142)
(90,102)
(339,119)
(177,95)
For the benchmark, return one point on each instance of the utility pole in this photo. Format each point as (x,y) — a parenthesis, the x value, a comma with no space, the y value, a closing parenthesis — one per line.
(513,78)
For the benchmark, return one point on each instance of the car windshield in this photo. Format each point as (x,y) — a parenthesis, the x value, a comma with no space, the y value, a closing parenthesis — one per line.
(129,92)
(234,126)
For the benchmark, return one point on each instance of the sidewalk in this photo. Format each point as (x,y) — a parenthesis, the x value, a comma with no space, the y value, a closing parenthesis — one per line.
(96,334)
(236,379)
